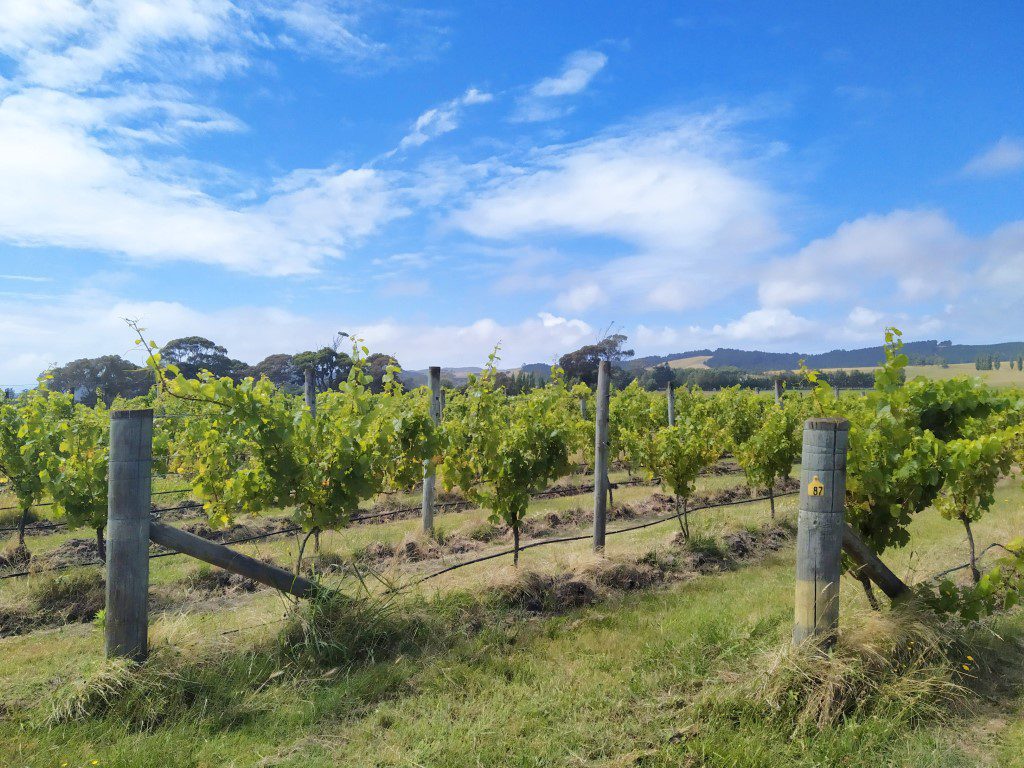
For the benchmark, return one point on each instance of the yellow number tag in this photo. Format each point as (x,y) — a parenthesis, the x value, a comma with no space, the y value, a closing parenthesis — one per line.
(815,487)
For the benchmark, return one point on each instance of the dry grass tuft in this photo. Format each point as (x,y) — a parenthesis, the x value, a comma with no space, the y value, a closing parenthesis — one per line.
(903,665)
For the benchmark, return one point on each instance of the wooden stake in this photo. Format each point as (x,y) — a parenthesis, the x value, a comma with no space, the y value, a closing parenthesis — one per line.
(778,391)
(871,566)
(430,471)
(230,560)
(129,487)
(670,393)
(601,454)
(820,528)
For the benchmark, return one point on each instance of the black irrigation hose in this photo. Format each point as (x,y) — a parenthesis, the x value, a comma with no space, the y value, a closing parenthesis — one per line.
(15,506)
(530,545)
(44,525)
(401,510)
(37,526)
(581,537)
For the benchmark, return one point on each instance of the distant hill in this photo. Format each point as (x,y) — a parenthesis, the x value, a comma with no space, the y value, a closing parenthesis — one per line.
(919,352)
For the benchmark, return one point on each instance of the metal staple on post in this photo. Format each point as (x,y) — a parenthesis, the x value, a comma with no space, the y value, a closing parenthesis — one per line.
(601,454)
(430,471)
(128,501)
(820,529)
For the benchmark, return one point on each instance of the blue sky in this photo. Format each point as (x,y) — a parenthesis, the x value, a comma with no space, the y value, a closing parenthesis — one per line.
(438,178)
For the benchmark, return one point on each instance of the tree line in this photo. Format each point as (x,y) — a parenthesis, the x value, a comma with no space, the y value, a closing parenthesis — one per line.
(110,376)
(107,377)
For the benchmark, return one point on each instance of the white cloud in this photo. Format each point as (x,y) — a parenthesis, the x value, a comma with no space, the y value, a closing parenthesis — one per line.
(580,298)
(920,253)
(61,185)
(663,187)
(442,119)
(862,316)
(764,325)
(75,45)
(676,191)
(1003,268)
(580,68)
(1005,156)
(323,25)
(545,100)
(75,129)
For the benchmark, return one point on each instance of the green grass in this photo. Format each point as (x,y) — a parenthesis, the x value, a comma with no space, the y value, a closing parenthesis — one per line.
(1004,377)
(616,684)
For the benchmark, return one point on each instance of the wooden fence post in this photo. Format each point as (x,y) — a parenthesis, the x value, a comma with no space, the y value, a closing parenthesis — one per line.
(601,454)
(820,527)
(778,391)
(670,393)
(430,471)
(310,391)
(129,487)
(583,407)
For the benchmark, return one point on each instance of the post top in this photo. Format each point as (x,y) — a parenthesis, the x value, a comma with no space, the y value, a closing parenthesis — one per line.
(137,413)
(435,370)
(828,424)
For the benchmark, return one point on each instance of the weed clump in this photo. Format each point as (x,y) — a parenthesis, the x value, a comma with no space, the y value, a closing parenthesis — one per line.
(544,593)
(14,555)
(340,630)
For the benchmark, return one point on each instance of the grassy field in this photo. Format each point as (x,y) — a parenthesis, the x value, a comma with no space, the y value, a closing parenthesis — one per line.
(456,677)
(700,361)
(1004,377)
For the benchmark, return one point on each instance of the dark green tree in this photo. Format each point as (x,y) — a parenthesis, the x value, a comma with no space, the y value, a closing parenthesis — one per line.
(192,354)
(581,365)
(330,367)
(281,370)
(90,378)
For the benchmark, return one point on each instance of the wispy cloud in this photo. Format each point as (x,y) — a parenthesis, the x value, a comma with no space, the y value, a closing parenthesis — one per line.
(545,100)
(442,119)
(27,278)
(96,86)
(580,68)
(1005,156)
(669,183)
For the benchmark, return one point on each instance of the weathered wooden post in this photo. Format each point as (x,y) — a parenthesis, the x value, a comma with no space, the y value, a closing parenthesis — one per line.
(670,393)
(778,391)
(583,406)
(430,471)
(601,454)
(129,487)
(820,527)
(310,391)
